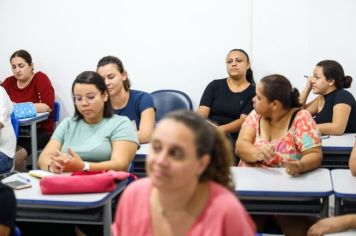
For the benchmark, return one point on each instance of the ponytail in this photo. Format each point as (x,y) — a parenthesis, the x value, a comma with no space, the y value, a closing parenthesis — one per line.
(295,98)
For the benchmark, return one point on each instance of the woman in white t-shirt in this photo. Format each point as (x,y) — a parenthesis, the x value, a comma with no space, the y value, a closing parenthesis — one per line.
(7,134)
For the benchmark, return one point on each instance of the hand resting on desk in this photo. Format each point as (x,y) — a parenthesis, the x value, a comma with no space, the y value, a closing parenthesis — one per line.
(65,162)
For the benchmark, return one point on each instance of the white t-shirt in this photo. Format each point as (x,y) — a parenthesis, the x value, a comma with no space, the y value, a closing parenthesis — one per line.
(7,134)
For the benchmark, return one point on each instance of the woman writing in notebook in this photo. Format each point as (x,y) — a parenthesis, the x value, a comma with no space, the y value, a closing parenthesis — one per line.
(279,134)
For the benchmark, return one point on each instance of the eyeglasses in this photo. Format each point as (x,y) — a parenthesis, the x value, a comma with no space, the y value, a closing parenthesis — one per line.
(88,98)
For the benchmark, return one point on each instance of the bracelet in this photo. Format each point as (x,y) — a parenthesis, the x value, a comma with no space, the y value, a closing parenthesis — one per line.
(86,166)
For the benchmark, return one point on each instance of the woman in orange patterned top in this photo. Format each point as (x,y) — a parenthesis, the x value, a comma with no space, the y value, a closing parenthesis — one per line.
(279,134)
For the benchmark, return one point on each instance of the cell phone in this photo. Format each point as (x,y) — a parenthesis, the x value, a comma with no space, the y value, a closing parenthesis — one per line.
(16,184)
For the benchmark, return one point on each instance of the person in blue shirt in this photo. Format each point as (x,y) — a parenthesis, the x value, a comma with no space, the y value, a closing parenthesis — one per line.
(137,105)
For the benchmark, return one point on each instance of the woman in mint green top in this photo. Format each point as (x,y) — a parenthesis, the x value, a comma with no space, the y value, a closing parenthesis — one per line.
(94,139)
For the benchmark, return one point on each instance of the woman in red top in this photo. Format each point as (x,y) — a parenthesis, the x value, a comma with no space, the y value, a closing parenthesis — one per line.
(28,86)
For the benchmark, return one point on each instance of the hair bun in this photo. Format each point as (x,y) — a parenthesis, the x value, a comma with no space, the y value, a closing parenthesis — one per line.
(347,81)
(295,98)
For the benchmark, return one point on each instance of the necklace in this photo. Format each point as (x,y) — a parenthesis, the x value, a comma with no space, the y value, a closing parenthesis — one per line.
(166,213)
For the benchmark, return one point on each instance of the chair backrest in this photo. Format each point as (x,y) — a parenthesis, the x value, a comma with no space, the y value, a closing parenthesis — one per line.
(15,124)
(56,112)
(168,100)
(17,231)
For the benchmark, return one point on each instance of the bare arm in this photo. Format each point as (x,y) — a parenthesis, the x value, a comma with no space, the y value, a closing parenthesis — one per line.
(122,154)
(311,159)
(4,230)
(42,107)
(312,106)
(305,93)
(341,113)
(246,149)
(51,149)
(352,160)
(333,225)
(204,111)
(147,125)
(233,126)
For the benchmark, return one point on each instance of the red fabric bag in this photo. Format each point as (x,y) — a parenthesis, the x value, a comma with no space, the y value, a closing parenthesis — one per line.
(83,182)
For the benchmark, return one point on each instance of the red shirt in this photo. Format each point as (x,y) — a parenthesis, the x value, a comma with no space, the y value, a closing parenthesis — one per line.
(39,90)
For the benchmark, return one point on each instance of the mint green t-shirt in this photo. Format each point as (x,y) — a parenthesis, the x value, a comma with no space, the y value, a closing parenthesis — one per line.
(93,143)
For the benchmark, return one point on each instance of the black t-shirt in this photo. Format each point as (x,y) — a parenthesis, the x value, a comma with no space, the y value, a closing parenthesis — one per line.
(225,105)
(7,207)
(331,99)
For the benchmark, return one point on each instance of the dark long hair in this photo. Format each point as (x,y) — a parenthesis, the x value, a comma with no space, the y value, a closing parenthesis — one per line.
(208,140)
(249,72)
(91,77)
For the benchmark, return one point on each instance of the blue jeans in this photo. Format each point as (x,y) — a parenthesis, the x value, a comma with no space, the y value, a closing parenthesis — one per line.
(5,163)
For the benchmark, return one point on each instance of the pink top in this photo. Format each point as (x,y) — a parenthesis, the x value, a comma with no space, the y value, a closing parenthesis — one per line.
(302,135)
(222,215)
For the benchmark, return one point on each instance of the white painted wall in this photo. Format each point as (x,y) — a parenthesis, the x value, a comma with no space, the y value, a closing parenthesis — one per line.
(290,37)
(178,44)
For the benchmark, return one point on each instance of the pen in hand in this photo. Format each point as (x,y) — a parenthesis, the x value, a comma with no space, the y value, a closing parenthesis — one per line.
(306,76)
(24,178)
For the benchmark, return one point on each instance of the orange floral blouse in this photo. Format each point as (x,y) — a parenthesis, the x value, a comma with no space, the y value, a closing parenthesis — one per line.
(302,135)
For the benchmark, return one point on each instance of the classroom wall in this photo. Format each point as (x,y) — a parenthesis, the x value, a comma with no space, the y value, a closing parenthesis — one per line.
(178,44)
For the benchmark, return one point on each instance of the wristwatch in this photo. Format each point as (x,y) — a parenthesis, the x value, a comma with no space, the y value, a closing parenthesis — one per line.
(86,166)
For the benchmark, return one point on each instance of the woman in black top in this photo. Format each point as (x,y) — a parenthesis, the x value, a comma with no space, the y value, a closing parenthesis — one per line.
(227,102)
(335,109)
